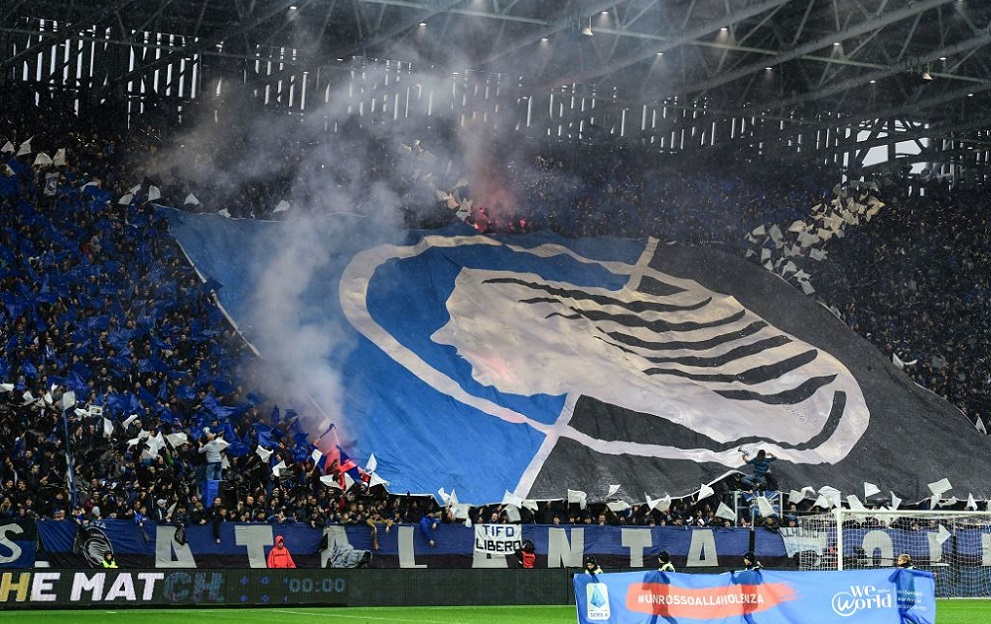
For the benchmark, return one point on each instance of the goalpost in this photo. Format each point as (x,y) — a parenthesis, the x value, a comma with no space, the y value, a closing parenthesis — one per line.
(954,545)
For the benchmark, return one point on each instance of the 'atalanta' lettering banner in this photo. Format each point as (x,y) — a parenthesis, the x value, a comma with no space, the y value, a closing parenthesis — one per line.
(66,544)
(17,543)
(757,597)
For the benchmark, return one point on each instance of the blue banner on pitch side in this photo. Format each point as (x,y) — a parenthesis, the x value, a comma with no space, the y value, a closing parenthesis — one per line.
(757,597)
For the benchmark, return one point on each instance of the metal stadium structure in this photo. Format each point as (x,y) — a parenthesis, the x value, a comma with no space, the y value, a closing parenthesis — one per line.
(830,80)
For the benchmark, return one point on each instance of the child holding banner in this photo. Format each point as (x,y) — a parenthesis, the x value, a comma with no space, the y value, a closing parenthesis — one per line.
(592,566)
(750,561)
(664,562)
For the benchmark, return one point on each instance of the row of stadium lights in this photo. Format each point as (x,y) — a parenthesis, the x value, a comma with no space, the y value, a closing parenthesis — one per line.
(724,29)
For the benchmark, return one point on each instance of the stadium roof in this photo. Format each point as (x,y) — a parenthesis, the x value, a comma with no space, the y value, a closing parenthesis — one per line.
(919,60)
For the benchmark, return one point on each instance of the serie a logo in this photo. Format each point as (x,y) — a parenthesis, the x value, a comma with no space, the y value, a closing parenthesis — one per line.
(597,601)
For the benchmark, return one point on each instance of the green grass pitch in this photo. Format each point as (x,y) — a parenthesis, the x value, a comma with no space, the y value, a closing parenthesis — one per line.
(947,612)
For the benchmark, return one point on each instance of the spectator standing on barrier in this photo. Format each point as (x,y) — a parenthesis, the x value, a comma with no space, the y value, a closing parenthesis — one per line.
(762,467)
(210,446)
(526,555)
(279,556)
(664,562)
(905,562)
(592,566)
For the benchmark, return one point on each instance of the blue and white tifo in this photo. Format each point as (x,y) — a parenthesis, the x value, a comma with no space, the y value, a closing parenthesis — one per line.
(485,365)
(757,597)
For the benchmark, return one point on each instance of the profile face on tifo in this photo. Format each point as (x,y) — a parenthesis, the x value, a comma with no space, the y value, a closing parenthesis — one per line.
(696,358)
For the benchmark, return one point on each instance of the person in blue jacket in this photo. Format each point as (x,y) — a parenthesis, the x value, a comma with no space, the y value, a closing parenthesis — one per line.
(428,523)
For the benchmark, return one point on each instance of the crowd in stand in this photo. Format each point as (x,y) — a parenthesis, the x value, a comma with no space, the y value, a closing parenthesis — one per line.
(916,283)
(96,300)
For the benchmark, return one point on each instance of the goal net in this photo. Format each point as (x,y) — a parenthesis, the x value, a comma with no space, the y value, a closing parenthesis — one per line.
(954,545)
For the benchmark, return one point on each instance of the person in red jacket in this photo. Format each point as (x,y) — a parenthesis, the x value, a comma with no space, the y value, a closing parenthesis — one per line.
(526,555)
(279,556)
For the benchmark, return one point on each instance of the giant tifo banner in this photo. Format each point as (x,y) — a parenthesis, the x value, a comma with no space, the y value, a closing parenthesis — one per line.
(534,364)
(758,596)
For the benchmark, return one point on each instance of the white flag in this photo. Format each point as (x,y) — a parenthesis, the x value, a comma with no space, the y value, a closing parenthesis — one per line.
(832,495)
(938,488)
(664,504)
(577,496)
(705,492)
(895,501)
(512,513)
(724,512)
(942,535)
(511,499)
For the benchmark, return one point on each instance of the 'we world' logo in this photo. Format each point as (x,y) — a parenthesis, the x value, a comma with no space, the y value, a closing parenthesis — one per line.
(860,598)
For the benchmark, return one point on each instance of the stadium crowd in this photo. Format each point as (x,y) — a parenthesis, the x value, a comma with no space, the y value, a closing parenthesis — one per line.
(101,310)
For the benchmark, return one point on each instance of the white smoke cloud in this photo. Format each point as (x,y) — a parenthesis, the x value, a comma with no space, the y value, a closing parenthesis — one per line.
(336,157)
